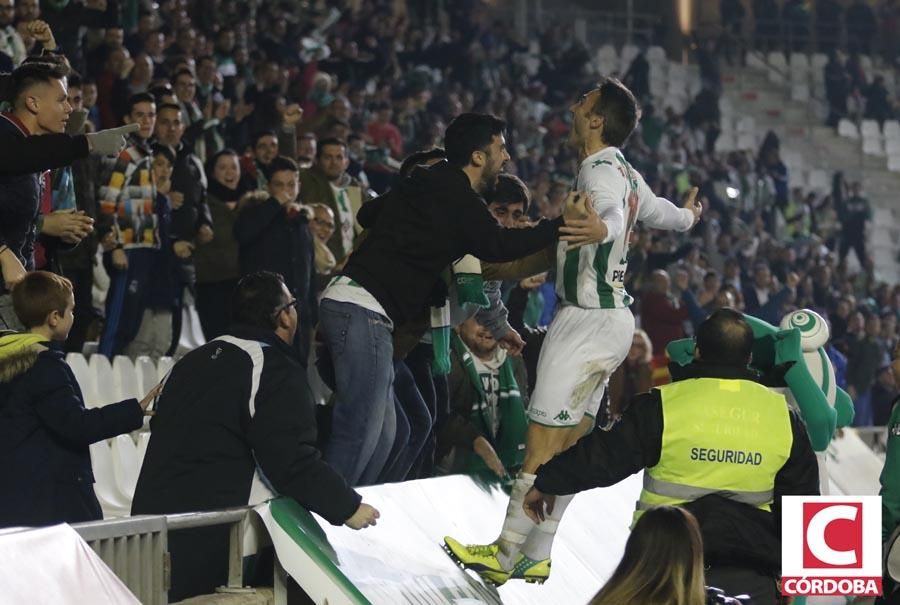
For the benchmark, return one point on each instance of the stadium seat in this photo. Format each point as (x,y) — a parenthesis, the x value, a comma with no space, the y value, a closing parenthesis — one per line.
(756,61)
(869,129)
(108,390)
(872,146)
(656,54)
(607,51)
(893,163)
(112,500)
(85,378)
(817,64)
(147,376)
(892,146)
(126,377)
(726,142)
(126,464)
(747,141)
(848,129)
(163,366)
(799,61)
(800,92)
(819,181)
(746,125)
(726,106)
(629,52)
(892,129)
(143,441)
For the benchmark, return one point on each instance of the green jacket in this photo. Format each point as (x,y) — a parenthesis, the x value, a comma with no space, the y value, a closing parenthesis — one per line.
(316,189)
(218,260)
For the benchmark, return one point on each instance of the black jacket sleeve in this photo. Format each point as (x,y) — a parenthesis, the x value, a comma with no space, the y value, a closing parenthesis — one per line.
(604,458)
(253,221)
(60,408)
(482,237)
(40,152)
(283,437)
(368,212)
(800,474)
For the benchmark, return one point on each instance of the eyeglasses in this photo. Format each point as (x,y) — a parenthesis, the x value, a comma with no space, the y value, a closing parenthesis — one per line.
(294,303)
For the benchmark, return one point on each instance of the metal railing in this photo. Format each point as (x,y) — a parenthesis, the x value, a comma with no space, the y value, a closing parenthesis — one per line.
(136,548)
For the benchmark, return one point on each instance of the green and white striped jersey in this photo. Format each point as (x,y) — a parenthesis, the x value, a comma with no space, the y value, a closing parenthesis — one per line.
(593,276)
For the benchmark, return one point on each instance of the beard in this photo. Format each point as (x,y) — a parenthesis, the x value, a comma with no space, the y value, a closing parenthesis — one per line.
(489,179)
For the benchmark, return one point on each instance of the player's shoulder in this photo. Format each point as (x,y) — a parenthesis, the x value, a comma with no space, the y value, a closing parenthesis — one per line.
(602,171)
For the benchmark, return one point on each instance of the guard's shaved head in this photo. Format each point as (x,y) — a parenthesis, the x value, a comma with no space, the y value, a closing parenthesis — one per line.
(725,338)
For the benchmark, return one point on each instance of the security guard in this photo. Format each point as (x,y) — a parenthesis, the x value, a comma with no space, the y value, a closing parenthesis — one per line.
(717,442)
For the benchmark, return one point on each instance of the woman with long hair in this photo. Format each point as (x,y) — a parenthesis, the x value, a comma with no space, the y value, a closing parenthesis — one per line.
(662,564)
(217,260)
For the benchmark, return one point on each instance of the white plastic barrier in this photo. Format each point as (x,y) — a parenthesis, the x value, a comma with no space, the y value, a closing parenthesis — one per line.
(54,565)
(113,502)
(85,378)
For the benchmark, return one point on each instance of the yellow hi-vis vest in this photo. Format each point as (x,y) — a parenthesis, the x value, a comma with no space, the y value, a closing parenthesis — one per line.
(725,437)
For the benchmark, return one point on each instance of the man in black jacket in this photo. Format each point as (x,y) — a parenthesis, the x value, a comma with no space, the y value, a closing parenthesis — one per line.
(38,94)
(426,222)
(191,218)
(235,424)
(732,450)
(273,235)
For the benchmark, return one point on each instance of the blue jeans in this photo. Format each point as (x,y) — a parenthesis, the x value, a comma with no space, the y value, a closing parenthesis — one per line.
(413,425)
(863,405)
(361,351)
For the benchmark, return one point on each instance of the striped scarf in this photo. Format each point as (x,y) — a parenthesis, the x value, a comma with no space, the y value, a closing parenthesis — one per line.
(505,426)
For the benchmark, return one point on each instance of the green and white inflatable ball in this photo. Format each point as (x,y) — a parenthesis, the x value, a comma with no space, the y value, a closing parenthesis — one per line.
(814,334)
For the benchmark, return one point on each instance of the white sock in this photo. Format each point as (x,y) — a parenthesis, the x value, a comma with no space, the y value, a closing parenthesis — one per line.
(540,541)
(517,525)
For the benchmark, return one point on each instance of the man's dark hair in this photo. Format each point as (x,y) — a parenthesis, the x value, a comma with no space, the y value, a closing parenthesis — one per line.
(165,151)
(75,80)
(263,133)
(509,190)
(256,298)
(162,106)
(329,141)
(468,133)
(183,72)
(619,110)
(725,338)
(29,74)
(162,90)
(141,97)
(420,157)
(280,163)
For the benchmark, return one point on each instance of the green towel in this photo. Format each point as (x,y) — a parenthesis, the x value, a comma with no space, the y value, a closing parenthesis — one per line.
(440,340)
(469,284)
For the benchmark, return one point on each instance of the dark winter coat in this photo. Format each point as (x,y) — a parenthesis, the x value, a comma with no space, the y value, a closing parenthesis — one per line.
(45,431)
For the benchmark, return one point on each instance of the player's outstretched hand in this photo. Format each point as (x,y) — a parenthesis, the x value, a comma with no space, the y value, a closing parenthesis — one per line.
(693,204)
(537,504)
(583,231)
(364,517)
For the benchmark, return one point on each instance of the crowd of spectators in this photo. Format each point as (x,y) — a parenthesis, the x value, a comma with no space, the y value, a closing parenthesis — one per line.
(264,127)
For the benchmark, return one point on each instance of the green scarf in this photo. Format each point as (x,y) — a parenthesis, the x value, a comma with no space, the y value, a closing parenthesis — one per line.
(509,442)
(465,274)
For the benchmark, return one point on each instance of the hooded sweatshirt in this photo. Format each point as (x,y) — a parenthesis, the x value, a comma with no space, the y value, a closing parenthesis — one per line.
(45,431)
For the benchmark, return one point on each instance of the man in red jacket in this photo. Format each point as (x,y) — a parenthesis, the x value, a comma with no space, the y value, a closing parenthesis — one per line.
(661,315)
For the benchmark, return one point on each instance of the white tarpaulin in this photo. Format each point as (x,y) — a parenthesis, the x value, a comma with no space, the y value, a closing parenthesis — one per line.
(54,565)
